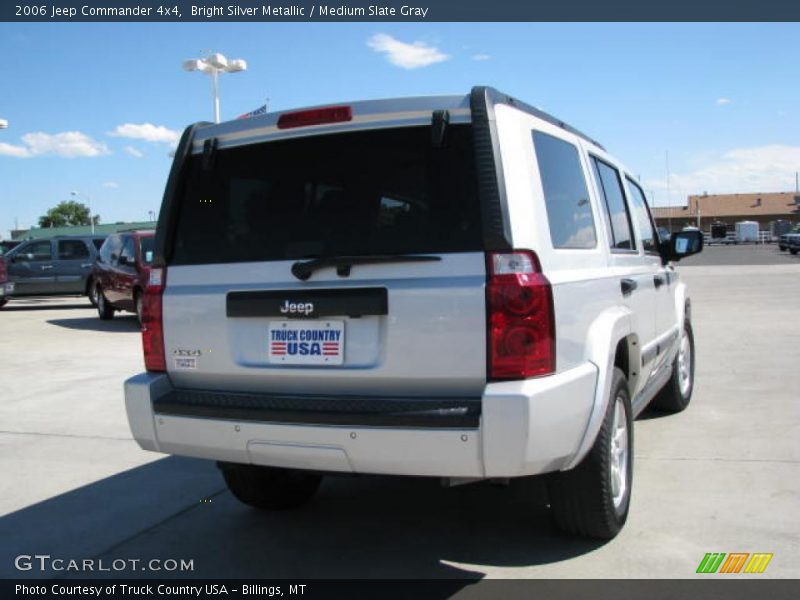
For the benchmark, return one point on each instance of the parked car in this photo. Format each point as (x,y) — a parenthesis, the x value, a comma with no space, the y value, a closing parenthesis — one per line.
(121,272)
(7,245)
(783,240)
(49,267)
(792,242)
(460,287)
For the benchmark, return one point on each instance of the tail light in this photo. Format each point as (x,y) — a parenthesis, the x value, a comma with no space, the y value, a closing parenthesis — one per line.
(315,116)
(3,272)
(521,323)
(152,322)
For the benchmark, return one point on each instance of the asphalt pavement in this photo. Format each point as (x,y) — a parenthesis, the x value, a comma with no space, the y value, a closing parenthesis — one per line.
(724,476)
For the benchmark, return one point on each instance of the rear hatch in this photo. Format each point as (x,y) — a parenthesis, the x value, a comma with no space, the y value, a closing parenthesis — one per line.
(335,262)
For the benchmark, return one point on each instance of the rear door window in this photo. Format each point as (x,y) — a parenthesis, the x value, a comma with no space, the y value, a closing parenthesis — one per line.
(384,191)
(569,211)
(72,249)
(610,185)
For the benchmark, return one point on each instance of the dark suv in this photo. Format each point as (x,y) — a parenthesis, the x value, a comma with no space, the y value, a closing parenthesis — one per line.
(48,267)
(121,272)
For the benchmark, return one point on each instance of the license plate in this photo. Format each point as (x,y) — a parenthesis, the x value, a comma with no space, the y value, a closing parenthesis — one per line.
(306,342)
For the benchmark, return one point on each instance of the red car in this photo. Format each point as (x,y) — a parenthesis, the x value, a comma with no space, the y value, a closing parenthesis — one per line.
(121,272)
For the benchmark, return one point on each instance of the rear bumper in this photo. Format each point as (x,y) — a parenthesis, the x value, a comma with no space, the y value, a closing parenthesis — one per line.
(515,429)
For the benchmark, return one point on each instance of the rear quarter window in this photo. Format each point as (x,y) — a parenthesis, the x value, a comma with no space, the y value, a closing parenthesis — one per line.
(569,210)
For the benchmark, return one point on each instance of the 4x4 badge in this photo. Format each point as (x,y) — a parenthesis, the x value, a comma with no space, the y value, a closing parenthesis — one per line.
(182,352)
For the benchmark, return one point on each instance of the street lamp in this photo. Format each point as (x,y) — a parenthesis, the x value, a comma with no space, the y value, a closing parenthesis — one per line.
(213,65)
(89,203)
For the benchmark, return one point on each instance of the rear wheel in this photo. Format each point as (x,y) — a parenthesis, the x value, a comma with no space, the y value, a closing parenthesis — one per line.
(3,302)
(104,309)
(270,488)
(137,302)
(91,291)
(593,498)
(676,394)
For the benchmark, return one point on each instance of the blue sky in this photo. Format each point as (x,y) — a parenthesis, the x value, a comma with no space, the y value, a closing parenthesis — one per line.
(94,108)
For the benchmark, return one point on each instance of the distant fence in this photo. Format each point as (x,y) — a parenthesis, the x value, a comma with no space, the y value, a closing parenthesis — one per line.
(764,237)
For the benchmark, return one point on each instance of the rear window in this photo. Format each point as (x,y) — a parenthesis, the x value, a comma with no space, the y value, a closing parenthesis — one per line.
(383,191)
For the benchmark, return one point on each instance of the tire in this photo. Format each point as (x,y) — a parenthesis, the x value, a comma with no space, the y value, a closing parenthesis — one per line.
(782,248)
(270,488)
(593,499)
(793,250)
(104,309)
(677,393)
(91,291)
(3,302)
(137,303)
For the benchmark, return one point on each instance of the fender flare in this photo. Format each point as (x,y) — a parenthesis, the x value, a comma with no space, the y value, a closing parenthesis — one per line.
(604,335)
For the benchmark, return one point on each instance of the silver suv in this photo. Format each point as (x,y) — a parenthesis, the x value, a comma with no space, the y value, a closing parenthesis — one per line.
(460,287)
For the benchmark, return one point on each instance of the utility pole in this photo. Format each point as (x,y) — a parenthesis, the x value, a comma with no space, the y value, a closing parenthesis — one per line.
(669,197)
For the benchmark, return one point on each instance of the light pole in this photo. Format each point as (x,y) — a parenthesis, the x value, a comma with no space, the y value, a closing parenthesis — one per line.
(3,124)
(75,194)
(213,65)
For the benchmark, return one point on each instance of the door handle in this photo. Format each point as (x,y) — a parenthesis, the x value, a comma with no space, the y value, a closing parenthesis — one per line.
(45,267)
(658,280)
(86,265)
(628,285)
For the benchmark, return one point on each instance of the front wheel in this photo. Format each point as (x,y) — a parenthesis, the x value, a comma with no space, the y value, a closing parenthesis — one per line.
(104,309)
(3,302)
(593,498)
(270,488)
(676,394)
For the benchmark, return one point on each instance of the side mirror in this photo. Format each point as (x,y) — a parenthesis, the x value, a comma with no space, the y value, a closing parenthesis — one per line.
(682,244)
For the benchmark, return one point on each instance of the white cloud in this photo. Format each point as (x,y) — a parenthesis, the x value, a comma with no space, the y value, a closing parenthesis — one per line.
(130,150)
(69,144)
(16,151)
(147,132)
(481,57)
(112,185)
(723,101)
(404,55)
(768,168)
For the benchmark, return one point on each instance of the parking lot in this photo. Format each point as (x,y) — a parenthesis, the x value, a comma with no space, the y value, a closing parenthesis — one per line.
(724,476)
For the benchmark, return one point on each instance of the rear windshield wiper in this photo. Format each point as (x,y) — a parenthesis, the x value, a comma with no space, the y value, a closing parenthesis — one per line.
(303,269)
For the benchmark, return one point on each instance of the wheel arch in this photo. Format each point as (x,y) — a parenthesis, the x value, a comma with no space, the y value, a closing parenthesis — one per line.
(610,341)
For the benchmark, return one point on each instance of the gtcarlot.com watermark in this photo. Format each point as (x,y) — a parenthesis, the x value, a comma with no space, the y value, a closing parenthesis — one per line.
(46,562)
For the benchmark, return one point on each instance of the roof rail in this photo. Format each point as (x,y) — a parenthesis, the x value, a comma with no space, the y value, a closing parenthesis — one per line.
(496,97)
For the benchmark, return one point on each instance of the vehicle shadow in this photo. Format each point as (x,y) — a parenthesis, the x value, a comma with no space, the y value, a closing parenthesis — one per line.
(356,527)
(127,323)
(29,305)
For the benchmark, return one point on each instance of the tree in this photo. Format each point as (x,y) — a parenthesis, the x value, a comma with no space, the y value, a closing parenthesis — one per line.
(66,214)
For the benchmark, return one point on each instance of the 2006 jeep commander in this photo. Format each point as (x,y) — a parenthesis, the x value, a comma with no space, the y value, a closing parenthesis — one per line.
(461,287)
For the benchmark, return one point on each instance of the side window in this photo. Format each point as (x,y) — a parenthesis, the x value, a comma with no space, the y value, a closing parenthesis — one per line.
(619,219)
(38,251)
(128,250)
(109,248)
(569,211)
(642,215)
(72,250)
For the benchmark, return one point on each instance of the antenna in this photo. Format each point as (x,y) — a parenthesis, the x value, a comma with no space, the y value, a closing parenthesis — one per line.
(669,197)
